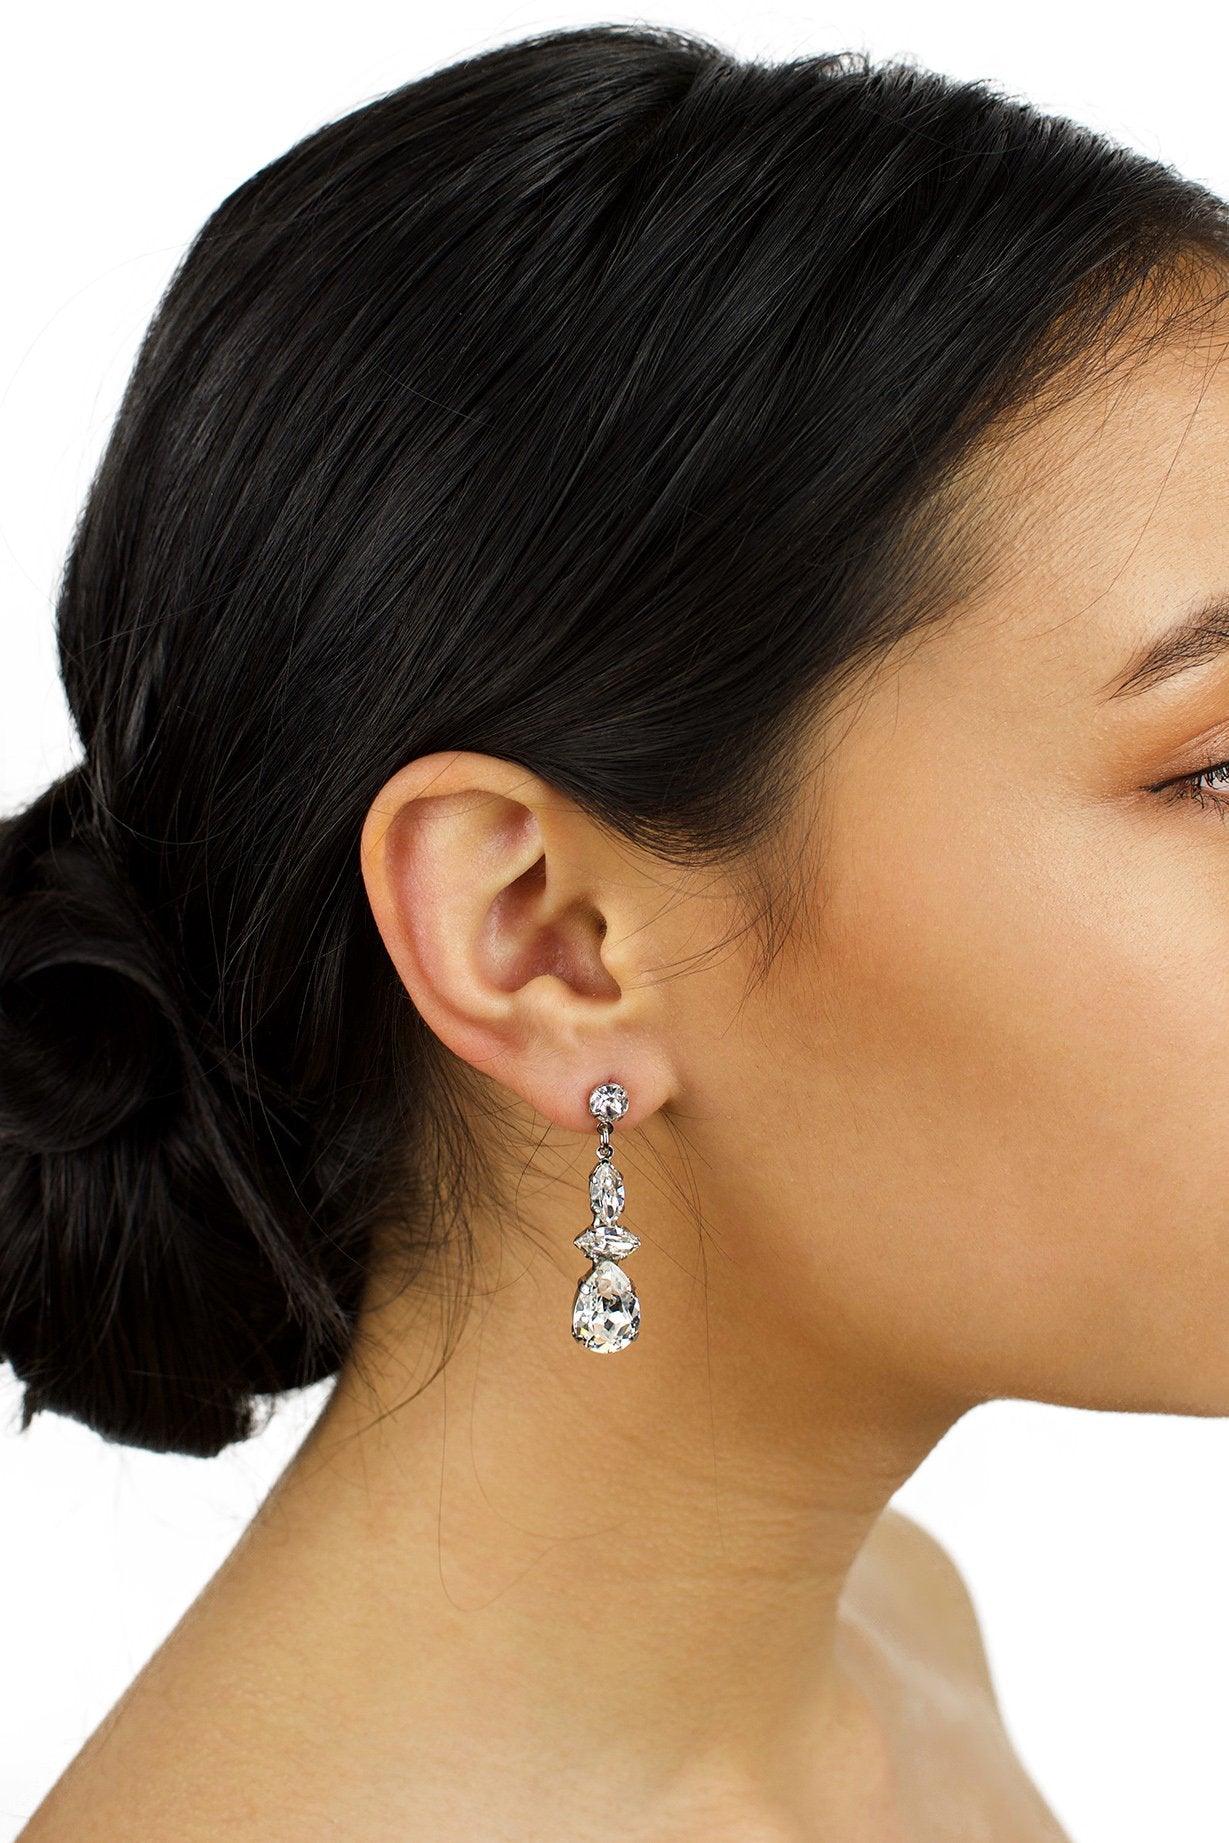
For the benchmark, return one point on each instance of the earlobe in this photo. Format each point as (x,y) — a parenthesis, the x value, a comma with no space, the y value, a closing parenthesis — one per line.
(486,885)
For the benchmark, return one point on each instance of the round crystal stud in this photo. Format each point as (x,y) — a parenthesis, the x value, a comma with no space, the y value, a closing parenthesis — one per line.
(608,1102)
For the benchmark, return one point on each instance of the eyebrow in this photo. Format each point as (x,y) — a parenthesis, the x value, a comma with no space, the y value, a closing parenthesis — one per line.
(1201,635)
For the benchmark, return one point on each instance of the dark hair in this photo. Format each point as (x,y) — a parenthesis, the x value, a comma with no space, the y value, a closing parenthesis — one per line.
(603,402)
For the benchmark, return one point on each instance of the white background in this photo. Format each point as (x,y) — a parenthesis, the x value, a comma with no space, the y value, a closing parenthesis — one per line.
(1094,1544)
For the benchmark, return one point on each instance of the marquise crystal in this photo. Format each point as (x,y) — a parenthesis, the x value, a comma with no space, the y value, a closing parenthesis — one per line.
(606,1192)
(606,1240)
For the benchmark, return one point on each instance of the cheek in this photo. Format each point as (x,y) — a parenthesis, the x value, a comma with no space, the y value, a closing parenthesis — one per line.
(1018,1094)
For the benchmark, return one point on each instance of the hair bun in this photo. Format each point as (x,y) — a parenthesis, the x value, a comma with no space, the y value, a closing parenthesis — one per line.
(160,1266)
(87,1023)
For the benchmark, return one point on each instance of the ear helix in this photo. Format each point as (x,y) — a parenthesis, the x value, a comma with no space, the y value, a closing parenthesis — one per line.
(606,1314)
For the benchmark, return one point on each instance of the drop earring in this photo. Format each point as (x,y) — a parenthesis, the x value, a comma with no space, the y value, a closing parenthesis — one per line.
(606,1315)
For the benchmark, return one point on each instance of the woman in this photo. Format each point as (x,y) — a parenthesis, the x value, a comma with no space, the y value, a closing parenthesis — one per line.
(647,649)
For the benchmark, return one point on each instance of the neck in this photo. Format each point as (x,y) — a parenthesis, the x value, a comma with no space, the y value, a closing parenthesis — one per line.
(639,1557)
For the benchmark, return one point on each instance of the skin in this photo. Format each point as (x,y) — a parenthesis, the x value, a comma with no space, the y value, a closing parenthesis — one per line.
(951,1150)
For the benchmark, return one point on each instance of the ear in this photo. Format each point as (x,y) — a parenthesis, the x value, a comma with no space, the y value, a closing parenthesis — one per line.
(526,937)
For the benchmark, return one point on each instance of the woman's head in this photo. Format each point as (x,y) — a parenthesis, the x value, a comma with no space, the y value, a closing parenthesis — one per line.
(713,461)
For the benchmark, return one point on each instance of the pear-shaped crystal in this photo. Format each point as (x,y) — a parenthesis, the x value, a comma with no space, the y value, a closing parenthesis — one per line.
(606,1315)
(606,1192)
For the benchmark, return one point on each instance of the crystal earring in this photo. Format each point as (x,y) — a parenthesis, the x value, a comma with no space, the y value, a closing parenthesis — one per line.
(606,1315)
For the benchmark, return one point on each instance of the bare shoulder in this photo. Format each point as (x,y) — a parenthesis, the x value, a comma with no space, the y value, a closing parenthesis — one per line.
(916,1621)
(913,1588)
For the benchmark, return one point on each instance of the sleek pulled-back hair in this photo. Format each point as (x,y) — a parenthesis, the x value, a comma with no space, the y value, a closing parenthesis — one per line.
(603,402)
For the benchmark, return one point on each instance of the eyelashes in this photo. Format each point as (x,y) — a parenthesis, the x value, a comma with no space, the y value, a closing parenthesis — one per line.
(1191,787)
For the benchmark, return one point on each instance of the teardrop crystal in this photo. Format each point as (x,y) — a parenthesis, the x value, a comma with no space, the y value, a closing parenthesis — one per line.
(606,1316)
